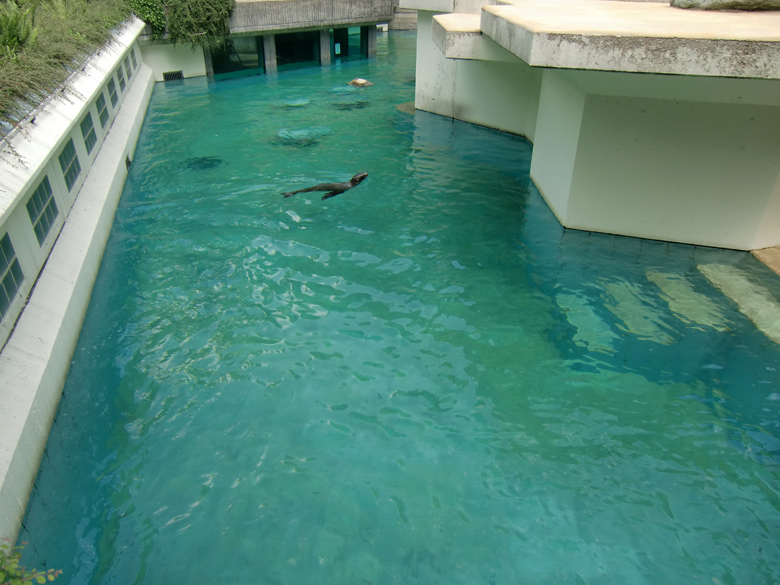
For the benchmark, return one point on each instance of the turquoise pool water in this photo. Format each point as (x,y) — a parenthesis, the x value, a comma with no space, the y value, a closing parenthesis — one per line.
(423,380)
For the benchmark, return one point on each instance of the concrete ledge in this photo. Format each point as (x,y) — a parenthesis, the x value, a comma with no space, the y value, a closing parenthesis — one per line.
(35,361)
(294,15)
(457,6)
(458,36)
(637,37)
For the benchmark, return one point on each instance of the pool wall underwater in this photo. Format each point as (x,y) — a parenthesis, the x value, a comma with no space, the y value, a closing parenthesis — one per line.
(36,357)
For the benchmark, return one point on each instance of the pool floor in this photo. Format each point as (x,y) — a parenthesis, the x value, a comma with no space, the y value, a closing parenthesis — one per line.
(422,380)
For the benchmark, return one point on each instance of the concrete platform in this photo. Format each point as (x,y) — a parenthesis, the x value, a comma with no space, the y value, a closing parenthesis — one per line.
(459,36)
(252,16)
(637,37)
(647,120)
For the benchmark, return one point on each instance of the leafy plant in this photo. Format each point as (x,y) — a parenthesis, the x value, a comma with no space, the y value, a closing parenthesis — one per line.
(151,12)
(13,573)
(68,32)
(16,27)
(200,22)
(196,22)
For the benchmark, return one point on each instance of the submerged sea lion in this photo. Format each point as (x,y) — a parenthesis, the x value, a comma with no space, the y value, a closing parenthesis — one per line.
(202,163)
(360,82)
(302,137)
(332,188)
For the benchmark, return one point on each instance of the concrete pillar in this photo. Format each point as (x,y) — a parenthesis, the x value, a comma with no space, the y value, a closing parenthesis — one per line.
(368,40)
(269,54)
(208,62)
(325,58)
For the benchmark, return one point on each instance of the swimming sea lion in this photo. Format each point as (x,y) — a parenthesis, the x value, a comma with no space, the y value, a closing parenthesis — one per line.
(332,188)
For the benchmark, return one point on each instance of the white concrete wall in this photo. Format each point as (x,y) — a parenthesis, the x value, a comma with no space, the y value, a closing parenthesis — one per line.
(32,154)
(499,92)
(434,89)
(659,157)
(766,234)
(556,140)
(164,57)
(35,360)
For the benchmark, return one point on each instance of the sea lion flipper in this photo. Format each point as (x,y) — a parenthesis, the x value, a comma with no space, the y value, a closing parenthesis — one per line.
(332,194)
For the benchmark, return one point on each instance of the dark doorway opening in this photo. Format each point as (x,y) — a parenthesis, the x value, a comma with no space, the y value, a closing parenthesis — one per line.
(241,55)
(299,49)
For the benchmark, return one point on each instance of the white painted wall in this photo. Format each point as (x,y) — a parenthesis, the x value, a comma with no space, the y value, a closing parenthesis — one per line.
(501,92)
(164,57)
(766,235)
(434,89)
(557,136)
(39,146)
(671,158)
(35,360)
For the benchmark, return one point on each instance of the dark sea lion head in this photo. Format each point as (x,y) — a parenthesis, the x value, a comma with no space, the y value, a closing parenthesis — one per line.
(359,178)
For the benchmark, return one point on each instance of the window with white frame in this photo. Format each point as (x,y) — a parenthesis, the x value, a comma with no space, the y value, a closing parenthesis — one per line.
(69,163)
(11,276)
(102,109)
(42,209)
(112,92)
(88,132)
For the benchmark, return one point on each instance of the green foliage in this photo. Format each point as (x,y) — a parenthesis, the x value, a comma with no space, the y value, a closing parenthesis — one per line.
(196,22)
(199,22)
(16,27)
(68,31)
(13,573)
(49,39)
(151,12)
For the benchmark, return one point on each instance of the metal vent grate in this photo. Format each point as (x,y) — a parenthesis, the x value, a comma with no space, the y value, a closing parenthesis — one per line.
(173,76)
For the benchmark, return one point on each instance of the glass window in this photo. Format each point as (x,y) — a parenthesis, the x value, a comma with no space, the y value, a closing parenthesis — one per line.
(102,109)
(127,66)
(42,209)
(112,92)
(69,163)
(88,132)
(11,276)
(132,57)
(120,73)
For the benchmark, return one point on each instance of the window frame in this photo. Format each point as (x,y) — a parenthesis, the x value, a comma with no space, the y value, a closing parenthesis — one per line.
(10,272)
(42,209)
(90,136)
(70,165)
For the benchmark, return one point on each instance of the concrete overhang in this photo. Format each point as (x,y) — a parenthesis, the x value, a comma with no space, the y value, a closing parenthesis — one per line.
(253,16)
(442,6)
(638,37)
(458,36)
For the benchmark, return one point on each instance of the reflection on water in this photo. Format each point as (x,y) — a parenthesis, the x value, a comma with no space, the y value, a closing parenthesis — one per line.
(424,380)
